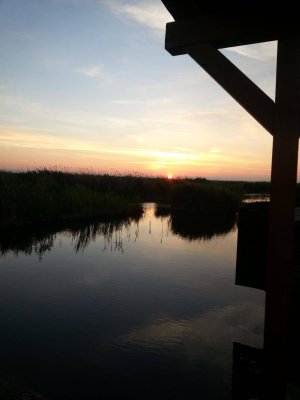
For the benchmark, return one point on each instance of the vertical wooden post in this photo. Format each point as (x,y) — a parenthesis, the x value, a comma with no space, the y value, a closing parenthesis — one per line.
(282,209)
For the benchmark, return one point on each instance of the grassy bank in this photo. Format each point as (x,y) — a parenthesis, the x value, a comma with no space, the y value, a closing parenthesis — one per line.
(205,197)
(37,196)
(42,196)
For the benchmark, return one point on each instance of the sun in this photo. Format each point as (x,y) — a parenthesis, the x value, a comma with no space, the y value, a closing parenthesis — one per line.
(169,176)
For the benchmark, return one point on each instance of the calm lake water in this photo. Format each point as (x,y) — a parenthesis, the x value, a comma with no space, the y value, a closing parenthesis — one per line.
(142,309)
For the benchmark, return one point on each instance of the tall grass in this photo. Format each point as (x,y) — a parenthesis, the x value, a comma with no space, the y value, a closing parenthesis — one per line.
(46,196)
(43,195)
(205,197)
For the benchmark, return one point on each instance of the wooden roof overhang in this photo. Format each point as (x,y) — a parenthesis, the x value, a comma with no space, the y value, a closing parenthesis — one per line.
(201,34)
(226,27)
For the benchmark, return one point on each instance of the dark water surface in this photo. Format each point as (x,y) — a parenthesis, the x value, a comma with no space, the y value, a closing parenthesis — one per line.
(131,309)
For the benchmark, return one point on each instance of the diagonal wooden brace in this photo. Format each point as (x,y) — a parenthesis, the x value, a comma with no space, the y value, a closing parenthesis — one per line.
(235,82)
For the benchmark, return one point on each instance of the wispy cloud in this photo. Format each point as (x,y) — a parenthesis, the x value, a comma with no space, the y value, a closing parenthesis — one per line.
(156,101)
(259,51)
(10,137)
(18,102)
(96,72)
(149,13)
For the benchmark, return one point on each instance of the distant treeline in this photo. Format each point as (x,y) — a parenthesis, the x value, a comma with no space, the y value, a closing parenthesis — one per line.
(43,195)
(250,187)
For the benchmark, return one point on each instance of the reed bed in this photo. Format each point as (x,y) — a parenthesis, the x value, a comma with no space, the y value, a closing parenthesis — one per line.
(45,195)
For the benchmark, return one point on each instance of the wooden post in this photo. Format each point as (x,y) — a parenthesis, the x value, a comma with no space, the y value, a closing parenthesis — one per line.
(282,212)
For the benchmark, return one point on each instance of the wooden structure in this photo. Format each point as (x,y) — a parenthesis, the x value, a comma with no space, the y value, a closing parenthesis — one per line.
(200,35)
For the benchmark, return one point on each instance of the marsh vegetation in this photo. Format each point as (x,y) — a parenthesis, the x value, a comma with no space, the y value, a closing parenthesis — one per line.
(46,196)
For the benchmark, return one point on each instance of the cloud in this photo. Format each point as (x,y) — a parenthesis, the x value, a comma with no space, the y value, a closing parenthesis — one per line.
(156,101)
(149,13)
(18,102)
(259,51)
(96,72)
(10,137)
(92,72)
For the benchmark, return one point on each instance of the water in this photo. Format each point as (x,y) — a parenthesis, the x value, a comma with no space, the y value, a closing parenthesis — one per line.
(253,198)
(142,309)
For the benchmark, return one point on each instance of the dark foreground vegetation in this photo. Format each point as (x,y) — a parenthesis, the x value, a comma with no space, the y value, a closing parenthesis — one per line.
(44,196)
(47,196)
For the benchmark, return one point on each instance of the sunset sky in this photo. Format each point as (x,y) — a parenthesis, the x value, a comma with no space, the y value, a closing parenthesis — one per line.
(87,84)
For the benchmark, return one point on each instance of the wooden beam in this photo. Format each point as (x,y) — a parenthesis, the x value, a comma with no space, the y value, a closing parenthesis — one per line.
(280,262)
(180,9)
(221,31)
(184,9)
(235,82)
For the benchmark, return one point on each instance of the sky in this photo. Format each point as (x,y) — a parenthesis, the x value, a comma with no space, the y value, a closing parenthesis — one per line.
(87,85)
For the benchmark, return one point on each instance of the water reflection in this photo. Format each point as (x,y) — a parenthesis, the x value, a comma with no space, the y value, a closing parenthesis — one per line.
(136,311)
(111,231)
(117,231)
(196,226)
(205,227)
(33,241)
(40,239)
